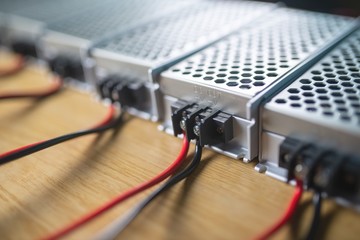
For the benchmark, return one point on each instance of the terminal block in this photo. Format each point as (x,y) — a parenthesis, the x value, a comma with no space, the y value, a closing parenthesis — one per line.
(208,125)
(322,168)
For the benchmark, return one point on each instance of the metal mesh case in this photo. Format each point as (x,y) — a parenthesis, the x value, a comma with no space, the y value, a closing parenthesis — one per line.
(26,22)
(233,74)
(322,105)
(71,37)
(155,46)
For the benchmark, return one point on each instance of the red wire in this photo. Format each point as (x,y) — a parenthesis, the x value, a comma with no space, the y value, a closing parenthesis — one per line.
(109,116)
(20,63)
(123,196)
(44,93)
(287,215)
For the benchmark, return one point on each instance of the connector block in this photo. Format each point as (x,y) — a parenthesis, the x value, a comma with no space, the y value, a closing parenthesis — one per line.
(209,125)
(123,90)
(213,127)
(66,67)
(322,168)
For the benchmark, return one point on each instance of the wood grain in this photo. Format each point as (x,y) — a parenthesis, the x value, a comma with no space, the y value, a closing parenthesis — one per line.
(224,199)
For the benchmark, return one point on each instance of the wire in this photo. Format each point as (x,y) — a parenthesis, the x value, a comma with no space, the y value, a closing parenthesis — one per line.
(121,223)
(104,125)
(125,195)
(18,66)
(316,217)
(287,215)
(54,88)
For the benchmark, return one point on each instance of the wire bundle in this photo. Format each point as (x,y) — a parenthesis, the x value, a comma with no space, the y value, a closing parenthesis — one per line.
(105,124)
(125,195)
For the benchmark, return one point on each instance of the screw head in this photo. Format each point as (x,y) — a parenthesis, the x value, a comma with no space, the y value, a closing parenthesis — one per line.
(183,124)
(196,130)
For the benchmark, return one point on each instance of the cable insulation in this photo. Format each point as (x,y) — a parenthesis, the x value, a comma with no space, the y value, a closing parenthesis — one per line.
(125,195)
(54,88)
(17,67)
(118,225)
(104,125)
(287,215)
(316,217)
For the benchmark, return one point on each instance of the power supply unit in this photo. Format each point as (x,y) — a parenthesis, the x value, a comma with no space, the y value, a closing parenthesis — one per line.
(26,20)
(6,8)
(66,42)
(311,129)
(128,65)
(215,94)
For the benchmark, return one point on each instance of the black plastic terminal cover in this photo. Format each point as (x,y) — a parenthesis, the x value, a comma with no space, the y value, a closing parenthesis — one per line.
(322,168)
(214,127)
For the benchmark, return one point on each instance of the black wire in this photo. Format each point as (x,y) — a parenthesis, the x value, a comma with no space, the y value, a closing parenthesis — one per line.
(60,139)
(124,222)
(316,217)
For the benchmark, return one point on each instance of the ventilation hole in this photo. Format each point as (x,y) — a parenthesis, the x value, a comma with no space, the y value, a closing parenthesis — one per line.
(316,72)
(306,87)
(349,90)
(317,78)
(305,81)
(345,118)
(199,70)
(342,109)
(347,84)
(337,94)
(186,73)
(325,105)
(308,94)
(234,72)
(246,75)
(334,87)
(233,78)
(309,101)
(339,101)
(221,75)
(259,72)
(258,84)
(344,78)
(296,105)
(328,113)
(271,74)
(284,66)
(176,70)
(330,75)
(294,97)
(210,72)
(197,75)
(319,84)
(208,78)
(232,84)
(280,100)
(271,69)
(311,109)
(293,90)
(220,81)
(332,81)
(259,78)
(244,86)
(323,98)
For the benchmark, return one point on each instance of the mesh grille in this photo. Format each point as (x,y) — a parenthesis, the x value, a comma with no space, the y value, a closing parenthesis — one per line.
(250,60)
(171,35)
(9,6)
(116,15)
(331,88)
(50,11)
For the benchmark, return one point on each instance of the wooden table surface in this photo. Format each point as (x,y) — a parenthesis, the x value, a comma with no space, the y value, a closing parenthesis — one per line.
(223,199)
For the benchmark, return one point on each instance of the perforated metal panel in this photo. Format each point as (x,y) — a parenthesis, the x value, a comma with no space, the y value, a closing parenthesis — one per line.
(330,91)
(9,6)
(51,11)
(113,16)
(185,29)
(250,60)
